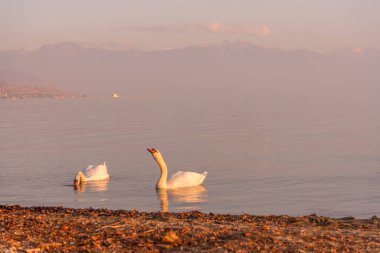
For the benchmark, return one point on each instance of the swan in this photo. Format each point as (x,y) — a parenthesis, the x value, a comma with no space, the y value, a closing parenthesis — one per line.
(178,179)
(91,173)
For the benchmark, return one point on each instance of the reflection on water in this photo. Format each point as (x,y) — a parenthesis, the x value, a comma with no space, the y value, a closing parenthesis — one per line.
(93,186)
(190,196)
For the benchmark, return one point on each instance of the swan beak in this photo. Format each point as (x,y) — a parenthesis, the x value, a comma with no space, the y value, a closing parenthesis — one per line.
(152,150)
(76,182)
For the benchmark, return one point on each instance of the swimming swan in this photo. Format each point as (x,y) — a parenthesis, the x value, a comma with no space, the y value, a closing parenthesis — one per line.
(178,179)
(92,173)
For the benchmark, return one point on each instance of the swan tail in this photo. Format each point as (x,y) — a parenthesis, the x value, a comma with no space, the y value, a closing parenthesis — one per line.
(204,174)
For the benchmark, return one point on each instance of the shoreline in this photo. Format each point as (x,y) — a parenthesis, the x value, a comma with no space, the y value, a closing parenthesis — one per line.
(59,229)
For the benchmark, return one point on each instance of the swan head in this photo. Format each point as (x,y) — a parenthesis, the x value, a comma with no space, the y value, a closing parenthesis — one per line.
(152,150)
(155,153)
(77,179)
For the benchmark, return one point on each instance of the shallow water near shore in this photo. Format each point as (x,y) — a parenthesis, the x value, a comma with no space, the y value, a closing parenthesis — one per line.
(261,158)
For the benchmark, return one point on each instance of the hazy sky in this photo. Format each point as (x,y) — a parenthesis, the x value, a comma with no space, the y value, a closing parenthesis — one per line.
(320,25)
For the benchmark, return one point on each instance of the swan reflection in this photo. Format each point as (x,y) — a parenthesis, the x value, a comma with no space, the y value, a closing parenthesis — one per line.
(92,186)
(189,196)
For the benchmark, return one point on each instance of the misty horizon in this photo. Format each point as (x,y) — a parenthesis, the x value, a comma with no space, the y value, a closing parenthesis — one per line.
(344,51)
(260,49)
(239,68)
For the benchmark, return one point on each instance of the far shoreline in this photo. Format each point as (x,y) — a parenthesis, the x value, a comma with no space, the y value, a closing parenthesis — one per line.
(42,228)
(17,91)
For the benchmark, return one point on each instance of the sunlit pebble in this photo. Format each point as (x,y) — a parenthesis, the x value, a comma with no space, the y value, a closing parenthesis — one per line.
(170,237)
(65,228)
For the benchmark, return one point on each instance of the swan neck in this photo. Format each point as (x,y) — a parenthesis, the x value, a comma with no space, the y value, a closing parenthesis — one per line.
(81,178)
(161,183)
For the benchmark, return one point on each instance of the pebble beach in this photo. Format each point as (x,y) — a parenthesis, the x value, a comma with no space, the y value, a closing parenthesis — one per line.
(58,229)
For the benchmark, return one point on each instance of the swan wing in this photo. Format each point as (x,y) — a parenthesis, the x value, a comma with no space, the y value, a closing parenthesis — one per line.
(98,172)
(186,179)
(177,174)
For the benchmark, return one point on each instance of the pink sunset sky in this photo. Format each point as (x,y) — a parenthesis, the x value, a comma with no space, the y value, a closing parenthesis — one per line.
(322,25)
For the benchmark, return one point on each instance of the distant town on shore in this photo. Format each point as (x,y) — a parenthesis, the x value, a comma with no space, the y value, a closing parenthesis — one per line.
(16,91)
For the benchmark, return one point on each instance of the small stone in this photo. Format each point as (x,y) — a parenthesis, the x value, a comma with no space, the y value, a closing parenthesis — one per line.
(65,228)
(170,237)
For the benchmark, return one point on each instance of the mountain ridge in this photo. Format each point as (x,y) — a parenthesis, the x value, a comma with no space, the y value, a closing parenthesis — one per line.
(196,70)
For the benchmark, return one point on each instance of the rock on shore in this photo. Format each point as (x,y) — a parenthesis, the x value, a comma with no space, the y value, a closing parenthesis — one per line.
(57,229)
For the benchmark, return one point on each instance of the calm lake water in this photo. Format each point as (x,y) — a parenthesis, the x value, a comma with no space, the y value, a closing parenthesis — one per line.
(261,158)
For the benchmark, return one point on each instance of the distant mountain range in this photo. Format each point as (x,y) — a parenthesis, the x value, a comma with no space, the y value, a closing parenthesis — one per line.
(226,69)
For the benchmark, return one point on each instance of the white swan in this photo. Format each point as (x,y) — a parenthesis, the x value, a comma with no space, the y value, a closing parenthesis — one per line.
(92,173)
(178,179)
